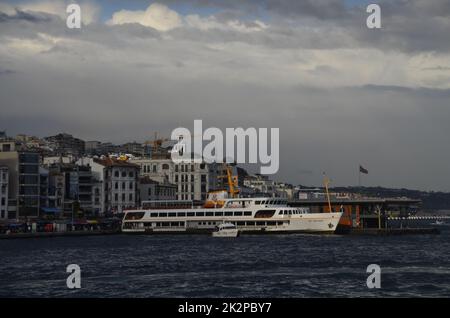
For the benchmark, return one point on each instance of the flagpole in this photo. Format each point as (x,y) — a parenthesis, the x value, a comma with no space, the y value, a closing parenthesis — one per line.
(359,178)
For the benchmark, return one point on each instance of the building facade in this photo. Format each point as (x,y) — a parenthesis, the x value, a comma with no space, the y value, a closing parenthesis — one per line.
(193,180)
(24,181)
(117,181)
(64,144)
(4,181)
(150,190)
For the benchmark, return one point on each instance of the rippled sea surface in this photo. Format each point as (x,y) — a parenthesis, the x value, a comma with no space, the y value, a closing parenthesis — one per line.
(248,266)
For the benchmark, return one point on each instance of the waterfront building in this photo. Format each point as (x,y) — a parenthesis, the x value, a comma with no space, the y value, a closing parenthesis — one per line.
(4,181)
(24,180)
(151,190)
(117,182)
(193,180)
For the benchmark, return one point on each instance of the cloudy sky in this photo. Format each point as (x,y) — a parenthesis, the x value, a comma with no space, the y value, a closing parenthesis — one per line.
(341,94)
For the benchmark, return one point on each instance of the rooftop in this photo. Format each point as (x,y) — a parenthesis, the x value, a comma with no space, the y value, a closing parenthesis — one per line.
(109,162)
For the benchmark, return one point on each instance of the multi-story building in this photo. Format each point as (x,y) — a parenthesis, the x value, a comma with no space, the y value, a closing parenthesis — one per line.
(64,144)
(261,184)
(151,190)
(193,180)
(70,186)
(4,181)
(92,147)
(24,180)
(118,182)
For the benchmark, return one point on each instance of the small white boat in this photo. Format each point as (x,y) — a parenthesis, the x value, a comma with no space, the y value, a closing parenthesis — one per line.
(226,230)
(438,222)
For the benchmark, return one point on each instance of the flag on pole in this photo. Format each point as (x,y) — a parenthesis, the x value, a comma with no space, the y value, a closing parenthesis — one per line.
(363,170)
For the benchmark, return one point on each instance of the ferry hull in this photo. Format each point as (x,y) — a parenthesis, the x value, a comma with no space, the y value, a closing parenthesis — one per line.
(321,223)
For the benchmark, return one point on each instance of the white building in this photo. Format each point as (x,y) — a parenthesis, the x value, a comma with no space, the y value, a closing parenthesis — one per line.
(4,177)
(193,180)
(116,188)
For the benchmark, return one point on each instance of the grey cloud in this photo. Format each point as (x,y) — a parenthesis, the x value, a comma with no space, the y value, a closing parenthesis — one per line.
(121,83)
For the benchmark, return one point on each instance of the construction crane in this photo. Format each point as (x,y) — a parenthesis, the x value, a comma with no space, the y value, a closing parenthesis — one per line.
(232,181)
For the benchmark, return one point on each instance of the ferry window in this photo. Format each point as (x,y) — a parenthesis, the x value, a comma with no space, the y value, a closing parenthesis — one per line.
(162,215)
(260,223)
(247,213)
(172,214)
(200,214)
(257,202)
(271,223)
(238,213)
(182,214)
(190,214)
(281,212)
(264,213)
(174,224)
(218,213)
(153,215)
(181,223)
(134,215)
(241,223)
(165,223)
(228,213)
(209,213)
(250,223)
(148,224)
(158,224)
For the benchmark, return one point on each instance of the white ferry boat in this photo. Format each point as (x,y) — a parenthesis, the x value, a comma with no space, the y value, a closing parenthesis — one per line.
(249,215)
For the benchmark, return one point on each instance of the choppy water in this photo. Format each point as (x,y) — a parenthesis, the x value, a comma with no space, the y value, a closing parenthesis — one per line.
(249,266)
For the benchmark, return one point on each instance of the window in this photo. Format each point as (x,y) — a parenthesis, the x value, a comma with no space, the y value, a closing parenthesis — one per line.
(165,166)
(247,213)
(162,215)
(192,178)
(176,168)
(202,166)
(153,215)
(116,185)
(124,174)
(238,213)
(190,214)
(218,213)
(172,214)
(130,197)
(192,168)
(123,197)
(123,185)
(229,213)
(29,169)
(209,213)
(116,174)
(131,174)
(116,197)
(176,178)
(182,214)
(131,185)
(200,214)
